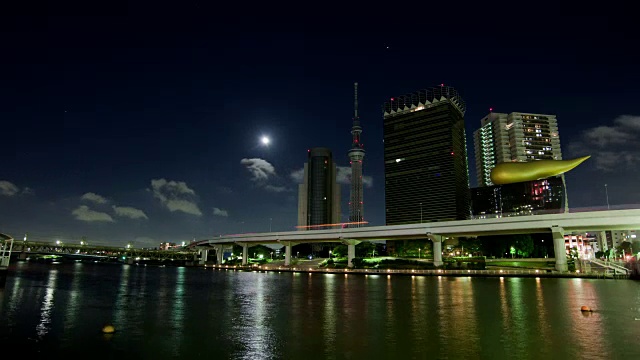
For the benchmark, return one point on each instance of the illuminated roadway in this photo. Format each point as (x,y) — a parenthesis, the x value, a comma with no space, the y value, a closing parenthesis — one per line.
(557,224)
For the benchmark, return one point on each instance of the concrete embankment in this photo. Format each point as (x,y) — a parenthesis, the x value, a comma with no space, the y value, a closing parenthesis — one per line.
(454,273)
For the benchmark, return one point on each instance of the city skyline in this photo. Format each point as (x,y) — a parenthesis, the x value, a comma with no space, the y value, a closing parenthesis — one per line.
(149,137)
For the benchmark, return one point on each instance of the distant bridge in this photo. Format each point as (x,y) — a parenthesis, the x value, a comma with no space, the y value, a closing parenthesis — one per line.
(25,248)
(557,224)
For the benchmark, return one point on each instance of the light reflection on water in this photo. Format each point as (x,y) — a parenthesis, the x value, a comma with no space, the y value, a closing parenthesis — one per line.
(45,312)
(196,313)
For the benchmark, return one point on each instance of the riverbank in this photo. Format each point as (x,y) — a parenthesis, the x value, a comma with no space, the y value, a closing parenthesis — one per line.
(397,272)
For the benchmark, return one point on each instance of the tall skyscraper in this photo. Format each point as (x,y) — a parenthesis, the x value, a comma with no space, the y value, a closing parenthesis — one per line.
(425,157)
(514,137)
(356,155)
(319,194)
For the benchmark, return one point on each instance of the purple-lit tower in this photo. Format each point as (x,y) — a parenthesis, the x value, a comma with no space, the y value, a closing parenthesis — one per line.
(356,154)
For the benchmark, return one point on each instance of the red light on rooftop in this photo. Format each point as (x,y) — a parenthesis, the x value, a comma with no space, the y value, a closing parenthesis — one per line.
(392,99)
(441,84)
(490,109)
(452,153)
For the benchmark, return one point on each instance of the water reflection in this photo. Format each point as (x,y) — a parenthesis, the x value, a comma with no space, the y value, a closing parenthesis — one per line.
(541,310)
(197,313)
(329,321)
(178,311)
(519,324)
(47,304)
(75,295)
(121,298)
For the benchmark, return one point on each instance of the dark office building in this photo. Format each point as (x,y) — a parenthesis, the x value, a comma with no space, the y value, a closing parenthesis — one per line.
(544,196)
(425,157)
(319,194)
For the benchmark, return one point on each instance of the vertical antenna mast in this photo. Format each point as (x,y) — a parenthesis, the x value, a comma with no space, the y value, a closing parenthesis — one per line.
(355,102)
(356,155)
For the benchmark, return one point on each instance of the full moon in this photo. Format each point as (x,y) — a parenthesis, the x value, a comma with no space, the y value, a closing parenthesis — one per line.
(265,140)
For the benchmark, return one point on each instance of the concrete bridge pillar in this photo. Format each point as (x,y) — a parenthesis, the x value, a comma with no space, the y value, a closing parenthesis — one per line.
(219,253)
(204,255)
(245,254)
(287,254)
(351,250)
(437,248)
(559,248)
(287,251)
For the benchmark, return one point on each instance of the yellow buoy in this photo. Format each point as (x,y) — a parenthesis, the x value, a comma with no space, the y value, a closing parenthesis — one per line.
(585,308)
(108,329)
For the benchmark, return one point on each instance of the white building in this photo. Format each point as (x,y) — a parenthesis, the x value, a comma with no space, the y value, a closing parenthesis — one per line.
(514,137)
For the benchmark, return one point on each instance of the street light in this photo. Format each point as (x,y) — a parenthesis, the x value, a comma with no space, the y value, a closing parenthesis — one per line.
(329,254)
(128,246)
(419,252)
(298,254)
(272,255)
(57,242)
(607,194)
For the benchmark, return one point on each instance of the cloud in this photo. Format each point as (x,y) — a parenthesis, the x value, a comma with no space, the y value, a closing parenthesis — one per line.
(129,212)
(220,212)
(297,175)
(145,242)
(8,189)
(83,213)
(94,198)
(175,196)
(274,188)
(343,176)
(225,190)
(612,146)
(260,169)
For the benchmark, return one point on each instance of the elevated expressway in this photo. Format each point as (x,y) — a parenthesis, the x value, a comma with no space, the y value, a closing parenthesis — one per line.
(557,224)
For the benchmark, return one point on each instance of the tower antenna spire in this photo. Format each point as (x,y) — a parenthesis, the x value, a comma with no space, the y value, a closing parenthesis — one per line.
(356,155)
(355,101)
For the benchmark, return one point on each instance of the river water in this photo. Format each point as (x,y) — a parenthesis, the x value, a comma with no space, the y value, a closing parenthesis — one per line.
(162,313)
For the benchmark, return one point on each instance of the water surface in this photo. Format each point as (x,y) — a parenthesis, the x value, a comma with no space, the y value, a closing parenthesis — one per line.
(195,313)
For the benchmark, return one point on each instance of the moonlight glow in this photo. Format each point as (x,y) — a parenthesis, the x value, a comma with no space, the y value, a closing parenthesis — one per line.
(265,140)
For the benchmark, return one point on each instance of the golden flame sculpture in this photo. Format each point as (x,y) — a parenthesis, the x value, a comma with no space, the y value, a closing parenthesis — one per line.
(513,172)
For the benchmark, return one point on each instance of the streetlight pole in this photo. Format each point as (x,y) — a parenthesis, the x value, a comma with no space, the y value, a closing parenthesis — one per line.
(419,252)
(607,194)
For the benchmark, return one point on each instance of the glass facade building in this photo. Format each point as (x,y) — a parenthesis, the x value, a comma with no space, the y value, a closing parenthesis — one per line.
(319,194)
(544,196)
(425,157)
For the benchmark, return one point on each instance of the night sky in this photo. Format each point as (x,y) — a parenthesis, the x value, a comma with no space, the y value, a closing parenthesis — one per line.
(144,125)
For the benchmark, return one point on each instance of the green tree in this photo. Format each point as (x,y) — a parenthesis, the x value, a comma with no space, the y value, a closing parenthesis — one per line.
(339,251)
(635,246)
(470,245)
(624,248)
(365,249)
(523,244)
